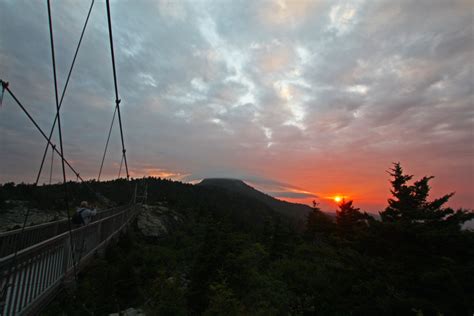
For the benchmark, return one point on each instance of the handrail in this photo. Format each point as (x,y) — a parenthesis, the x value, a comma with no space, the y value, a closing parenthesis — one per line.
(14,240)
(36,272)
(51,240)
(13,231)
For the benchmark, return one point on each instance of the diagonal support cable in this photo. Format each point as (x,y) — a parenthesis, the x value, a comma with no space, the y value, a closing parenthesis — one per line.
(107,144)
(4,85)
(40,130)
(117,100)
(64,91)
(51,169)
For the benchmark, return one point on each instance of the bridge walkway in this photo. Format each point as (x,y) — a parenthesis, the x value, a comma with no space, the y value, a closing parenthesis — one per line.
(45,260)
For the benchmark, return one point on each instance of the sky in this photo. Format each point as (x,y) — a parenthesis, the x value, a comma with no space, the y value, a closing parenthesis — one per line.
(304,100)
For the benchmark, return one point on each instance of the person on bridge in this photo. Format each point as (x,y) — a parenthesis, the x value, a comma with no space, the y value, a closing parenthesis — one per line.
(84,214)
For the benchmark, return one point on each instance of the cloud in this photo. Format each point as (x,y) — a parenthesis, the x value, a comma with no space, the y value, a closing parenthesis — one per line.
(342,17)
(316,93)
(292,195)
(284,12)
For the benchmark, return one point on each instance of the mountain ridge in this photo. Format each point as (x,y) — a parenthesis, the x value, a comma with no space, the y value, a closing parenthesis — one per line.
(292,210)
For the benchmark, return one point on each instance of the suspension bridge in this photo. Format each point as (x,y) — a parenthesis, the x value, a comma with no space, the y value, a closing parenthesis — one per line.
(36,262)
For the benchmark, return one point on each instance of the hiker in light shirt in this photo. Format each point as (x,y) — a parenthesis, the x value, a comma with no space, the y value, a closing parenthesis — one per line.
(84,214)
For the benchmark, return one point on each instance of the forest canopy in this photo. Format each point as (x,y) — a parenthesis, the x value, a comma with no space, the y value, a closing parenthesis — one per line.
(234,255)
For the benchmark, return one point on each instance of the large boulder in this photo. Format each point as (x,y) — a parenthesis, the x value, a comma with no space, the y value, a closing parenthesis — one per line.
(158,220)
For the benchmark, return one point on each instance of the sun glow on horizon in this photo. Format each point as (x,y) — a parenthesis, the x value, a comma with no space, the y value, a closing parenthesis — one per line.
(338,198)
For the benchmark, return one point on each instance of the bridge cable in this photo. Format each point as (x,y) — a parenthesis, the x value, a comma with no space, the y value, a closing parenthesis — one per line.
(40,130)
(64,89)
(120,169)
(51,169)
(117,100)
(3,92)
(107,144)
(4,85)
(66,202)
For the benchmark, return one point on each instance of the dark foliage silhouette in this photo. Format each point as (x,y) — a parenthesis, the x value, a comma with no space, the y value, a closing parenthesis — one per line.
(234,255)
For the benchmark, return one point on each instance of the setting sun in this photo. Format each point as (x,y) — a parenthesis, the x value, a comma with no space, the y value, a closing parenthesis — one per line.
(337,199)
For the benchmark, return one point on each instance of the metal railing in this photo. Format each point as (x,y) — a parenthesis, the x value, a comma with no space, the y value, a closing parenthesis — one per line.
(14,240)
(33,276)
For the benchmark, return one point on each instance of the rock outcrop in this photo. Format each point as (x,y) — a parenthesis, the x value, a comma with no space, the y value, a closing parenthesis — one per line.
(156,221)
(13,215)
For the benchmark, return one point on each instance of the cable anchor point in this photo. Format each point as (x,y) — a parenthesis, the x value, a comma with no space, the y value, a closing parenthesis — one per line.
(4,87)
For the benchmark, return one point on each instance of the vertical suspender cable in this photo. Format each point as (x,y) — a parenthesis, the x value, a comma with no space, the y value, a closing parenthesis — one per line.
(51,169)
(117,100)
(120,169)
(64,90)
(66,202)
(53,148)
(3,92)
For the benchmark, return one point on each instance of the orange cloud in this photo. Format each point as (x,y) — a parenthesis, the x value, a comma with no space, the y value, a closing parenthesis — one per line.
(158,173)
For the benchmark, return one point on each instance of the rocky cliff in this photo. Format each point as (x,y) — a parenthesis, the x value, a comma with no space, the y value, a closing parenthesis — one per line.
(156,221)
(13,215)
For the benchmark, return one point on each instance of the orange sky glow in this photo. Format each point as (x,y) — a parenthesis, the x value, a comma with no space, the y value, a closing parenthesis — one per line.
(302,99)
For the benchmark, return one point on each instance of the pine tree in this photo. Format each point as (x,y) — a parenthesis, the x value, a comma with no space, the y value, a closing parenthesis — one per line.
(318,223)
(349,218)
(410,202)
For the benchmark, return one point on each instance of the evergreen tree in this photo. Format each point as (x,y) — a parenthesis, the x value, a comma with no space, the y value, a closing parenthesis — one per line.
(410,202)
(317,223)
(349,218)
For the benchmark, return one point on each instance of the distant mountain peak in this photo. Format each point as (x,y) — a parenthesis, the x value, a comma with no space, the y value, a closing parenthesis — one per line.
(210,180)
(223,182)
(238,186)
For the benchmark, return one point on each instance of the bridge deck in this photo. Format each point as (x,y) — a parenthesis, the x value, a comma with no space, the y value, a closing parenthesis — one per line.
(33,276)
(15,240)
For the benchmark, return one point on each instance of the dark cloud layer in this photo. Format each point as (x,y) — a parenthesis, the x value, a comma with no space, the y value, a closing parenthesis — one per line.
(320,94)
